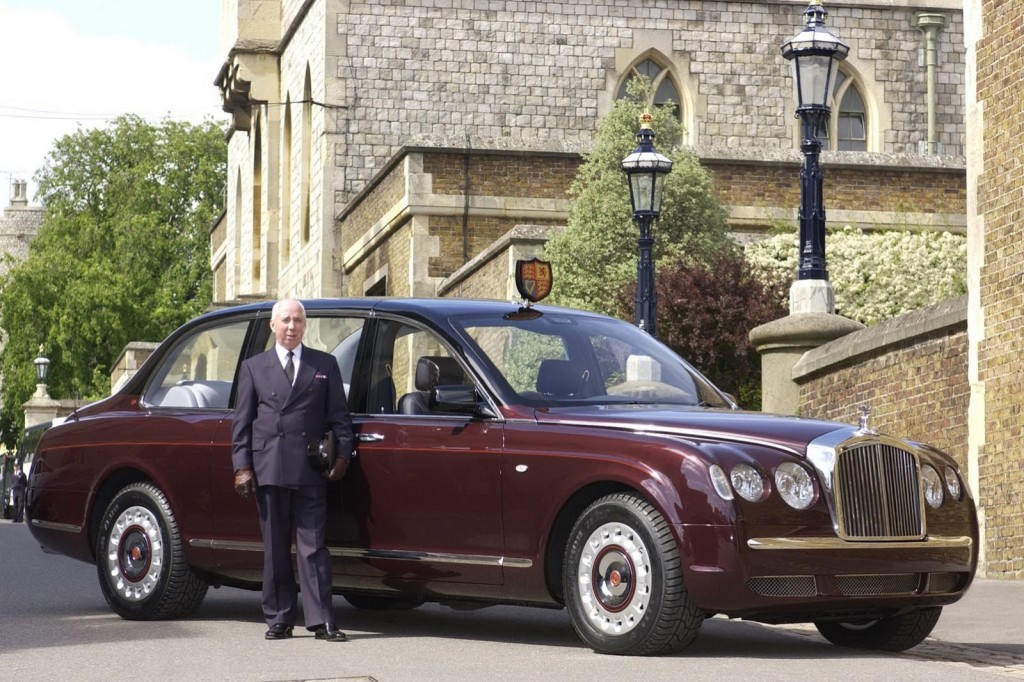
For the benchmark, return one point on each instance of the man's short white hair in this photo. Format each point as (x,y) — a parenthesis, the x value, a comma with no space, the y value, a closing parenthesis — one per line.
(275,312)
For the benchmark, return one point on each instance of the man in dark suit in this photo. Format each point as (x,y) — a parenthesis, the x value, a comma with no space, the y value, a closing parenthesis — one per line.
(18,486)
(288,396)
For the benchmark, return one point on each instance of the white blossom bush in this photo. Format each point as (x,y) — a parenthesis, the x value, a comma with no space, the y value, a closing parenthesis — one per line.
(877,275)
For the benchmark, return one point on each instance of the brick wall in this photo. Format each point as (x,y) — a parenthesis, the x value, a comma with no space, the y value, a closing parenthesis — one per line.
(865,188)
(911,371)
(1000,279)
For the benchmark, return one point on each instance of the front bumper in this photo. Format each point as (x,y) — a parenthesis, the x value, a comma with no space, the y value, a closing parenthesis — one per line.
(805,578)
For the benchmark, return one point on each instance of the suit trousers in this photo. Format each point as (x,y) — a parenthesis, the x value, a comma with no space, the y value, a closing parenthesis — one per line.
(303,509)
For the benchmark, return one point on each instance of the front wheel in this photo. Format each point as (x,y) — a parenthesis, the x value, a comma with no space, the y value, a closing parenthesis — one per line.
(897,633)
(624,580)
(139,558)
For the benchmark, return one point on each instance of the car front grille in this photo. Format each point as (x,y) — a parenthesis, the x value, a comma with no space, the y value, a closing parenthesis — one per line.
(877,493)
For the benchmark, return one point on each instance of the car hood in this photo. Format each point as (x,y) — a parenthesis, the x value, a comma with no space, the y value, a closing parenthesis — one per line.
(697,423)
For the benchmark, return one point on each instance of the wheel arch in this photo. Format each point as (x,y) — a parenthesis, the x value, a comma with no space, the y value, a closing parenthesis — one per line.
(113,482)
(558,538)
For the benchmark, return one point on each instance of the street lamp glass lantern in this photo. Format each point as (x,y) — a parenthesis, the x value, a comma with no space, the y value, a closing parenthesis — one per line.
(646,169)
(815,54)
(42,364)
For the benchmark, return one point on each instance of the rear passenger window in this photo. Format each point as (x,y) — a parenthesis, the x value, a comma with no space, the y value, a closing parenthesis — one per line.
(338,336)
(199,370)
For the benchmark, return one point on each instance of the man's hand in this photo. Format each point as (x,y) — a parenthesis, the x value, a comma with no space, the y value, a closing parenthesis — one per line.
(245,483)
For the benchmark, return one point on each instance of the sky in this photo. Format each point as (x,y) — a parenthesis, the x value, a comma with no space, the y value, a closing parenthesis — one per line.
(70,64)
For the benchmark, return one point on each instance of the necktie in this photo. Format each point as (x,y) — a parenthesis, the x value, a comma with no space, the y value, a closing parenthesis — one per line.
(289,368)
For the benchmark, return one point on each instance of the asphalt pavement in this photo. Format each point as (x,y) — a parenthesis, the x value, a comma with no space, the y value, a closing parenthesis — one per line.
(55,623)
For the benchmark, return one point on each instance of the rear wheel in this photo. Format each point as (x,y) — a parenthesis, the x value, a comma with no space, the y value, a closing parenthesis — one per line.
(624,580)
(139,558)
(897,633)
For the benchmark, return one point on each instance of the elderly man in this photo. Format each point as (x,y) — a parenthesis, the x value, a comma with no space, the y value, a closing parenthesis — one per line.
(287,397)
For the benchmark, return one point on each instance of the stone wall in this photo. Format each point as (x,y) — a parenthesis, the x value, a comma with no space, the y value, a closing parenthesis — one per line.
(486,73)
(911,371)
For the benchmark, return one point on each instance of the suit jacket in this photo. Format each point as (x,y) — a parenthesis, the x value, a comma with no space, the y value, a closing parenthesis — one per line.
(274,423)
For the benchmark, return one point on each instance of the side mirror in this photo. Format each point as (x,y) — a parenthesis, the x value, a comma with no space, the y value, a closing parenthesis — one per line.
(461,399)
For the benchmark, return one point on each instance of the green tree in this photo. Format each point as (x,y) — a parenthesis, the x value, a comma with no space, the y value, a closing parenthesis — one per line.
(122,254)
(596,254)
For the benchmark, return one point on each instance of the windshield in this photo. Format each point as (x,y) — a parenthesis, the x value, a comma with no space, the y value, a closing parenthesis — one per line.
(556,358)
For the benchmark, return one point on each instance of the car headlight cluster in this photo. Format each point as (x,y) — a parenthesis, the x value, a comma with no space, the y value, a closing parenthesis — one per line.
(937,486)
(793,482)
(795,485)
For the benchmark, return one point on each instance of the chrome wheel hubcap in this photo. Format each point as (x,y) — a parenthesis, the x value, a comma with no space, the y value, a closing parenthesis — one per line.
(615,578)
(135,554)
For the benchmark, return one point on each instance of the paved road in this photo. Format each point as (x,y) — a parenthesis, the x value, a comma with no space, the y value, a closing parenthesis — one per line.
(54,624)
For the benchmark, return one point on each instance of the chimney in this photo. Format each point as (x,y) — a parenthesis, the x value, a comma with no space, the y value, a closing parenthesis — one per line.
(19,193)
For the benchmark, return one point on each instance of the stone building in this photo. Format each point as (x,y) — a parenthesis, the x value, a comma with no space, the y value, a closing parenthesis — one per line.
(380,147)
(19,222)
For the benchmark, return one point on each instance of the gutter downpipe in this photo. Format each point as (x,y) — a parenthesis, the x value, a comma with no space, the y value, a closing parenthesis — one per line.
(930,24)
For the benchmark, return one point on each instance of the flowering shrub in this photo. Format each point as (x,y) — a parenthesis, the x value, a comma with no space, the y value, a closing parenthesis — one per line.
(876,275)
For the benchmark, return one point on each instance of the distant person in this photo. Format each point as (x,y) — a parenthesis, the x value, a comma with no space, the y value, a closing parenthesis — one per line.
(18,486)
(288,396)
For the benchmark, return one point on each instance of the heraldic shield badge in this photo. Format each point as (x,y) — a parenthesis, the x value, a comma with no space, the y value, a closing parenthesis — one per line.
(533,279)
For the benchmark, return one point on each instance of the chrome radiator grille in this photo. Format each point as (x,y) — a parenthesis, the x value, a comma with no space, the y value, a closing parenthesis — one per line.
(878,493)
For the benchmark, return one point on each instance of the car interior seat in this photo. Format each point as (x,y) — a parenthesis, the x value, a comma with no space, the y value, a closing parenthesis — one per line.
(431,371)
(560,378)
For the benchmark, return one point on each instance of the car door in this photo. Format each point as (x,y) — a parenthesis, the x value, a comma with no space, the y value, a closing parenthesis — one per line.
(187,401)
(423,502)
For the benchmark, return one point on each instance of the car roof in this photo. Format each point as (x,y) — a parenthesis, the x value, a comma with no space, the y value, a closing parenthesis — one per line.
(429,308)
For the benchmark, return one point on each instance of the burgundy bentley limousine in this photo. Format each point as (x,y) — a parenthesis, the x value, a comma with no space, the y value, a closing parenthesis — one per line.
(517,455)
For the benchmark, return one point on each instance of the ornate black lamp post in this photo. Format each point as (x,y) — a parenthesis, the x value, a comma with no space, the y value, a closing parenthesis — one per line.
(646,169)
(815,54)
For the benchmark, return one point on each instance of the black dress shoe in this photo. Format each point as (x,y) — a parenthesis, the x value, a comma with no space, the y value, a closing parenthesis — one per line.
(279,631)
(330,633)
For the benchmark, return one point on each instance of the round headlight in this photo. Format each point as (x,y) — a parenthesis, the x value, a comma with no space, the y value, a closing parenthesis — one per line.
(953,486)
(720,481)
(932,486)
(795,485)
(747,483)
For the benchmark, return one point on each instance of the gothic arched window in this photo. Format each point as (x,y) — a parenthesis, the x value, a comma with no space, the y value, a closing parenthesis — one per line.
(665,91)
(848,124)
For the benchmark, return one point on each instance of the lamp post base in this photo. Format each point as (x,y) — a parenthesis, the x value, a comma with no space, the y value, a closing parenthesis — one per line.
(812,296)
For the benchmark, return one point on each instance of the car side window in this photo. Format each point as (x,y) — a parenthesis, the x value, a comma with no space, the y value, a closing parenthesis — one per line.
(406,363)
(520,355)
(338,336)
(199,370)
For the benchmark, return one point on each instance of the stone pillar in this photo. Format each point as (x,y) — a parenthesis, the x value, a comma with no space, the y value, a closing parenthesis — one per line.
(782,343)
(41,407)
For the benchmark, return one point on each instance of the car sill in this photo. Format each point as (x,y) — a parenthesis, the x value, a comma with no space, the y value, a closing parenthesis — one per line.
(53,525)
(398,555)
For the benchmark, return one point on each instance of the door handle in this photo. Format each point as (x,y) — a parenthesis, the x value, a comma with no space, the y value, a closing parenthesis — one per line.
(369,437)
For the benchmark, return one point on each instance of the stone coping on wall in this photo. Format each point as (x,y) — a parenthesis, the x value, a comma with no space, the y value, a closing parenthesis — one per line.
(538,234)
(899,331)
(712,155)
(438,146)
